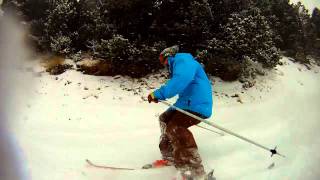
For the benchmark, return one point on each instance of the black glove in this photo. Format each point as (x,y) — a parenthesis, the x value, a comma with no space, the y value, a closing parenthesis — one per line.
(151,98)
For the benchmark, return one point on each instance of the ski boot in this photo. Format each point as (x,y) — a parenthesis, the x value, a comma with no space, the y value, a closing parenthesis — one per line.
(158,164)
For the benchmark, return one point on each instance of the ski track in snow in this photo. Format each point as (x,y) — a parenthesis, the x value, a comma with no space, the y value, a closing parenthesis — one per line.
(69,118)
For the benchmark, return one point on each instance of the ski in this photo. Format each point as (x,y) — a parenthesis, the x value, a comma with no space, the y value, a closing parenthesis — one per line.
(155,165)
(107,167)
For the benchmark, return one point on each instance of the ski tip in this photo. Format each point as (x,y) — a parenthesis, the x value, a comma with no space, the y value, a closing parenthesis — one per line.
(89,163)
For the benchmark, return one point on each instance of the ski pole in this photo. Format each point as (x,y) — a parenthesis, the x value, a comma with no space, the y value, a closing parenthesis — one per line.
(273,151)
(220,133)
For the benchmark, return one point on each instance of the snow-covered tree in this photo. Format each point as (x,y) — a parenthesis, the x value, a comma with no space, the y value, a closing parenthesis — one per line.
(291,23)
(245,35)
(133,32)
(315,19)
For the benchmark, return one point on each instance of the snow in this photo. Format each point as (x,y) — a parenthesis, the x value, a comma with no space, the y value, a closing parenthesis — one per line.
(59,125)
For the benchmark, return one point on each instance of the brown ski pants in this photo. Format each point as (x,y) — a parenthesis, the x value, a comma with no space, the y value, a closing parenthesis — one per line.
(177,143)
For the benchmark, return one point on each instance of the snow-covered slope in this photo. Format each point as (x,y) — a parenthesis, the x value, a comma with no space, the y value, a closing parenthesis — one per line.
(71,117)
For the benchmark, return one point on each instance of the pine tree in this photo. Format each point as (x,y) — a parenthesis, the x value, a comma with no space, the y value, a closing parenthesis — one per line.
(315,19)
(131,18)
(132,32)
(247,35)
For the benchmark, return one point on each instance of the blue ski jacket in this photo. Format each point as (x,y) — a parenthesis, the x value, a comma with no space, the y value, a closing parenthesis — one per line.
(190,82)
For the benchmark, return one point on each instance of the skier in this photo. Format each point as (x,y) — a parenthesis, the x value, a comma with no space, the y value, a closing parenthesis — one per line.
(188,80)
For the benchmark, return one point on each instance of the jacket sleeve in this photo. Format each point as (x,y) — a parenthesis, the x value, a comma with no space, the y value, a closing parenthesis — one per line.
(183,74)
